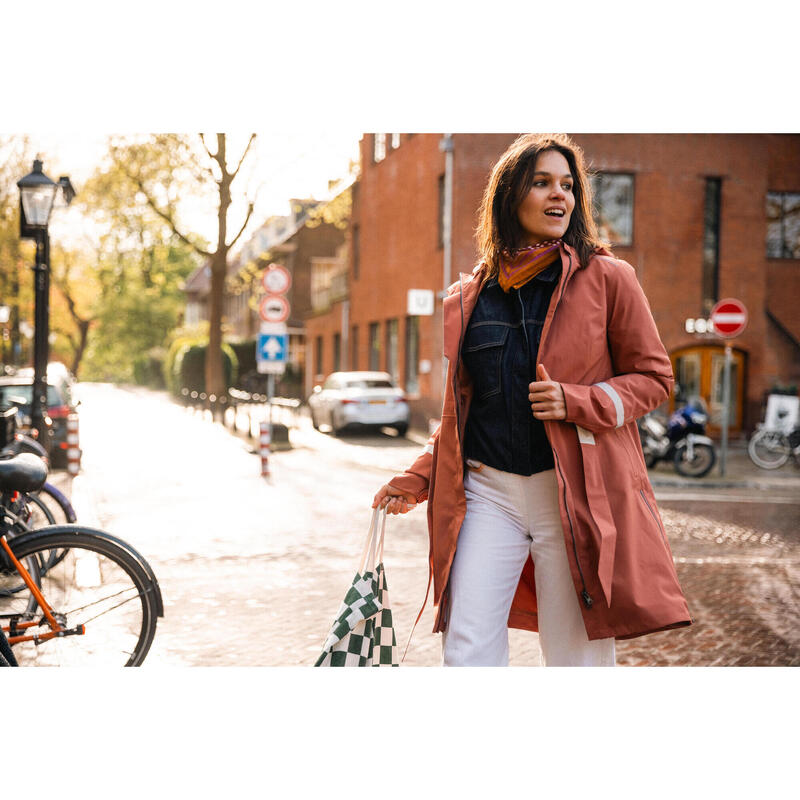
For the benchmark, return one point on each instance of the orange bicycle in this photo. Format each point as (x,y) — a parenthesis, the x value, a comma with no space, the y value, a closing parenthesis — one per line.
(98,605)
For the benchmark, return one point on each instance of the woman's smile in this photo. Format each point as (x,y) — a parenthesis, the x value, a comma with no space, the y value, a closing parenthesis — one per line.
(545,211)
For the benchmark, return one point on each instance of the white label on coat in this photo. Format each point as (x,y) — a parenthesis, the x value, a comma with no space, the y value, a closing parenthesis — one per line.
(584,436)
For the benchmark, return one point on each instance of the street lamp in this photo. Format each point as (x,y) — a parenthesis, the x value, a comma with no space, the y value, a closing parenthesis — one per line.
(37,193)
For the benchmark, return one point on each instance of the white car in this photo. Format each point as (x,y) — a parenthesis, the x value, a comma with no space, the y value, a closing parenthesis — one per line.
(359,399)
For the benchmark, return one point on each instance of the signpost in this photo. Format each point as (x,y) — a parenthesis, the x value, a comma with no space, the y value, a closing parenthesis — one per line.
(730,319)
(272,345)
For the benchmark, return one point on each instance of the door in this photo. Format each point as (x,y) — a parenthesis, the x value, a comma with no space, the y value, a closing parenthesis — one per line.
(699,371)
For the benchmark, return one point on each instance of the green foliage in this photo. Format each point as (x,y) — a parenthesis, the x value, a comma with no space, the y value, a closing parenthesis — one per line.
(148,369)
(189,362)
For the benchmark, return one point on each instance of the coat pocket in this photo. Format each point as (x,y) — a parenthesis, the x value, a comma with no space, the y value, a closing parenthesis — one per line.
(483,357)
(656,519)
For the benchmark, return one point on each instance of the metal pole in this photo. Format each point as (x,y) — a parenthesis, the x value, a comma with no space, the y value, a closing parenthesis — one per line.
(41,344)
(726,402)
(270,393)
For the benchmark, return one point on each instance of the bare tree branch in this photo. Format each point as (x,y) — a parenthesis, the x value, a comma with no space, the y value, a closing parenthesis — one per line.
(244,155)
(166,217)
(211,155)
(244,225)
(203,140)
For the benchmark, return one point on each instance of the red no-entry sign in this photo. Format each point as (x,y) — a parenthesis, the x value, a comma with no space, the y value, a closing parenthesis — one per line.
(729,317)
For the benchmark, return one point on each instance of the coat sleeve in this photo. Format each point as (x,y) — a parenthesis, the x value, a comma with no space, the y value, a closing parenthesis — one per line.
(642,377)
(416,479)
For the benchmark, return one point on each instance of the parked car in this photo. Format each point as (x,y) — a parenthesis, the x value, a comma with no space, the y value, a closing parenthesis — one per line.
(359,399)
(18,390)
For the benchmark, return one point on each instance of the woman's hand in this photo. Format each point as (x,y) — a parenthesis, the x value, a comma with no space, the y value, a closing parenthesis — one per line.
(547,397)
(395,501)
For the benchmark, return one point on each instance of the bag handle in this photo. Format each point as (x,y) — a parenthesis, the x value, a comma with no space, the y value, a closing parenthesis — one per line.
(374,543)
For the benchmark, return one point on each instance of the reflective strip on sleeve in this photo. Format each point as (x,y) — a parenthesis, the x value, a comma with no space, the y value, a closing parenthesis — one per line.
(584,436)
(616,399)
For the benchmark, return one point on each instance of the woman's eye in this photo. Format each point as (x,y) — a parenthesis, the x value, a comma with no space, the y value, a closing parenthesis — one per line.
(567,187)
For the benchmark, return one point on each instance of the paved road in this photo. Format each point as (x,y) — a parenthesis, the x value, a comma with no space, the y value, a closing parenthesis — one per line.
(253,571)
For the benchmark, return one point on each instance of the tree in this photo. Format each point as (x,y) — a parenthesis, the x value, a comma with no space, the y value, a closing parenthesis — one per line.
(16,281)
(158,180)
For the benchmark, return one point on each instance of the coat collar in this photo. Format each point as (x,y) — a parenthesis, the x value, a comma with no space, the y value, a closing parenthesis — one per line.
(466,290)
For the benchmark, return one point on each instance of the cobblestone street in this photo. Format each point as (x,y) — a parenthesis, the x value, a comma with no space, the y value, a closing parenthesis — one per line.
(253,571)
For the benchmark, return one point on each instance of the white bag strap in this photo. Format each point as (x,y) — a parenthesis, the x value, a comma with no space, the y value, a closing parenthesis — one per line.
(372,545)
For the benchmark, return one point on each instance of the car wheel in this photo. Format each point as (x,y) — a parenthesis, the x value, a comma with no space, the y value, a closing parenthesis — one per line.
(401,429)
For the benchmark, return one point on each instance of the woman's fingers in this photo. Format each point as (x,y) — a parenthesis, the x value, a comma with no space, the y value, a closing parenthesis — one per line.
(393,501)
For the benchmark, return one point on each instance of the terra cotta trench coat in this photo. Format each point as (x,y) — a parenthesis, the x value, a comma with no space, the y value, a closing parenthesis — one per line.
(599,341)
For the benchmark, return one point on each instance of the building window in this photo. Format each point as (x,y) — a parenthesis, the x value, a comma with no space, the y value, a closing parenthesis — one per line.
(318,360)
(356,251)
(440,230)
(613,206)
(379,147)
(711,243)
(374,347)
(354,348)
(391,349)
(412,355)
(395,141)
(337,352)
(783,224)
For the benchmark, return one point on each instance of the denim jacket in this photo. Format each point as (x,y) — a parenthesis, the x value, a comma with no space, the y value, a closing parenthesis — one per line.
(499,352)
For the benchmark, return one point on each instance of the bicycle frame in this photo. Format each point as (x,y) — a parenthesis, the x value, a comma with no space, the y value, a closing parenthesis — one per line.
(13,630)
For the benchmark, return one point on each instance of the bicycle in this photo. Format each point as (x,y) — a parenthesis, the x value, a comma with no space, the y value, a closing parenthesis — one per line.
(99,604)
(769,448)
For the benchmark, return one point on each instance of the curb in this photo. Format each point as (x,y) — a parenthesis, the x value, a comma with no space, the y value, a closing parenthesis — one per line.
(789,484)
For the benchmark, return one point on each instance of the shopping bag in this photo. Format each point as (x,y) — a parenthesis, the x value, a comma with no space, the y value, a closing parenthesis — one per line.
(362,634)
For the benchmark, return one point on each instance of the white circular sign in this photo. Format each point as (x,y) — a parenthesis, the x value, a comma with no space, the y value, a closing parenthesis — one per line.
(276,279)
(274,308)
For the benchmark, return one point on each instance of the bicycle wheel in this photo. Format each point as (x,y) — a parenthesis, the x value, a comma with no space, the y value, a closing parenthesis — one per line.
(56,509)
(102,587)
(768,449)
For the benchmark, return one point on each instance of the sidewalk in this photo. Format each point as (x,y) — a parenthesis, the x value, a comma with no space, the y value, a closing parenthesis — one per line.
(740,471)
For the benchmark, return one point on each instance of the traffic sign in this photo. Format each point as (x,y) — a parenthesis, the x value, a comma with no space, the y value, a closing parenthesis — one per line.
(272,350)
(729,317)
(274,308)
(278,328)
(276,279)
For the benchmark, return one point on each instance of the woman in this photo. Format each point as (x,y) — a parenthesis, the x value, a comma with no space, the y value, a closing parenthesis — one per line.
(540,512)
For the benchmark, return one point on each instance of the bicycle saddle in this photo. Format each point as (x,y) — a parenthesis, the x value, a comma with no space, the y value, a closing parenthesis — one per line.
(23,473)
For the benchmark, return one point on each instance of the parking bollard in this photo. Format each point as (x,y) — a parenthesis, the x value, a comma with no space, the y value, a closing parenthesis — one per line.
(265,443)
(73,450)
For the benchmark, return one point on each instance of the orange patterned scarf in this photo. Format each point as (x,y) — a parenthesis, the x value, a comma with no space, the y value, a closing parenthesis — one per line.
(517,269)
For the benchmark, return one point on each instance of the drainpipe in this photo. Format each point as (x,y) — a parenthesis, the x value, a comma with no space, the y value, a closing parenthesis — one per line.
(446,146)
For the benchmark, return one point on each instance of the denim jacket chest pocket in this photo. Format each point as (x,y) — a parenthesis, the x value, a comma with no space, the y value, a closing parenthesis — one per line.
(482,354)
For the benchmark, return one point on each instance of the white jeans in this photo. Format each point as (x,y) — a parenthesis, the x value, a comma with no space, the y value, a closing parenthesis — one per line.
(507,517)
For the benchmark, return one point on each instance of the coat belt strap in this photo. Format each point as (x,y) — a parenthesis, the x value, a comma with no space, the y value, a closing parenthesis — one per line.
(601,513)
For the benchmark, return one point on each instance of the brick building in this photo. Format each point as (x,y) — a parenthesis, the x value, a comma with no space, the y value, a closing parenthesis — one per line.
(701,217)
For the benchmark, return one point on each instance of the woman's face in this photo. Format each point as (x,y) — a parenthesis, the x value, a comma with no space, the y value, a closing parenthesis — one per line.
(545,211)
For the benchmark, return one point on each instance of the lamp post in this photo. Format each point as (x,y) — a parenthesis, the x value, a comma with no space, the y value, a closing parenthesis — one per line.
(37,193)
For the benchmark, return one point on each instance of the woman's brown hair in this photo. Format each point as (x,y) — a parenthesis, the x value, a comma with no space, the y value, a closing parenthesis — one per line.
(499,229)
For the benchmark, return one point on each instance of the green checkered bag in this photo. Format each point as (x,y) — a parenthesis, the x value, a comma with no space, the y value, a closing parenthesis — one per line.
(362,634)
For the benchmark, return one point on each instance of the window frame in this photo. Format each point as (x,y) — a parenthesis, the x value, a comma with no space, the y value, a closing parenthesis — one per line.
(600,174)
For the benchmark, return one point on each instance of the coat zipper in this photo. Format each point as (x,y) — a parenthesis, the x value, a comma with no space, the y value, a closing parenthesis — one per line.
(455,377)
(653,515)
(587,598)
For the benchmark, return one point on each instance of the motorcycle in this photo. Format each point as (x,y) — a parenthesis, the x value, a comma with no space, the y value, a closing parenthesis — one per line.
(682,440)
